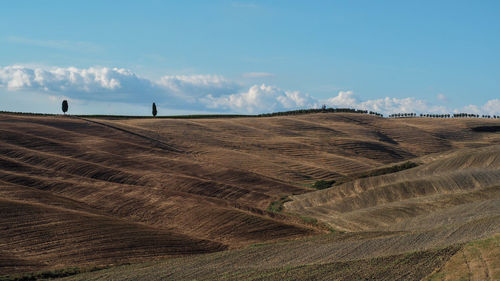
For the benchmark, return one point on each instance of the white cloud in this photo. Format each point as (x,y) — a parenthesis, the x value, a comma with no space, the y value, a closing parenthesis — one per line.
(261,98)
(92,83)
(385,105)
(116,85)
(343,99)
(194,92)
(395,105)
(197,85)
(61,79)
(491,107)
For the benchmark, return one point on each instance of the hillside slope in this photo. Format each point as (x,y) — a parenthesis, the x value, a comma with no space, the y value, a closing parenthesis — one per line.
(457,188)
(326,257)
(101,191)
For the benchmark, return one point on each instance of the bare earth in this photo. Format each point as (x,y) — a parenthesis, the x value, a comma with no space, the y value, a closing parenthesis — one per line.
(193,195)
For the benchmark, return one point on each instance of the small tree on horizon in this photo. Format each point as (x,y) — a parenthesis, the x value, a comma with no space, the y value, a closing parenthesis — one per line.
(65,106)
(154,110)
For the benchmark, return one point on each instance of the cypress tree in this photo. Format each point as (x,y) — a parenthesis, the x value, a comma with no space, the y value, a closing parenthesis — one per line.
(65,106)
(154,109)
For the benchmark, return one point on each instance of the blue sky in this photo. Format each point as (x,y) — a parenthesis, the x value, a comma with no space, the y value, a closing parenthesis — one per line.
(116,57)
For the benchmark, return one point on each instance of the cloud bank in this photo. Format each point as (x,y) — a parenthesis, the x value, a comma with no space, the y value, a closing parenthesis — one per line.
(212,93)
(260,98)
(91,82)
(385,105)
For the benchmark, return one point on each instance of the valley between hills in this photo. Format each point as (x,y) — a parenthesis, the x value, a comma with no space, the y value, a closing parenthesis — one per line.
(109,198)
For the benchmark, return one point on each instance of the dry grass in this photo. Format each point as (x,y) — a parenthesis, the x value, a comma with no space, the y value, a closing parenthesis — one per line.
(478,260)
(412,266)
(97,192)
(454,189)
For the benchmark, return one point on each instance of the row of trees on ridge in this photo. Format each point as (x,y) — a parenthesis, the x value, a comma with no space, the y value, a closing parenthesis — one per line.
(324,109)
(454,115)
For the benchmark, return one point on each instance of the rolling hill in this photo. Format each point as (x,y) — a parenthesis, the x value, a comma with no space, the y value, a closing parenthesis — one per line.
(455,188)
(79,191)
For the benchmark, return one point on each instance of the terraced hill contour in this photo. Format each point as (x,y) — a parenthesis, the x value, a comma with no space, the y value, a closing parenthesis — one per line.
(455,188)
(78,191)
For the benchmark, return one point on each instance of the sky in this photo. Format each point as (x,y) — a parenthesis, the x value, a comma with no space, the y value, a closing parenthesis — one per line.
(191,57)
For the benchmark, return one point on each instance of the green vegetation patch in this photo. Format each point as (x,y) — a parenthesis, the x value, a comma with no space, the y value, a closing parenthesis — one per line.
(309,220)
(322,184)
(378,172)
(277,206)
(48,274)
(389,170)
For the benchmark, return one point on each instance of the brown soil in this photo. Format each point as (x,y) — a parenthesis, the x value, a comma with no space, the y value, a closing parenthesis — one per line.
(96,192)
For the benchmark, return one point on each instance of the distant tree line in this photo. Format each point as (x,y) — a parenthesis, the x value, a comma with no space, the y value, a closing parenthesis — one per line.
(323,109)
(455,115)
(468,115)
(26,113)
(465,115)
(402,115)
(437,115)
